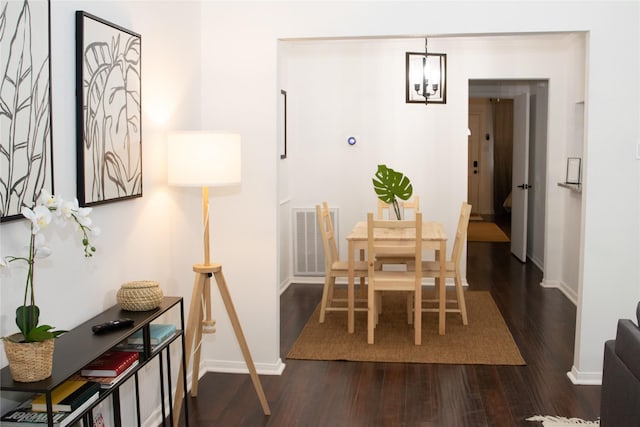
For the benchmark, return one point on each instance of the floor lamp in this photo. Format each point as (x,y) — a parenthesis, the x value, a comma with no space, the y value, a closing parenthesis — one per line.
(207,159)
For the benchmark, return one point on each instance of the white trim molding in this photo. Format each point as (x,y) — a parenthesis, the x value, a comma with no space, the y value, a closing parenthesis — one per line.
(240,367)
(584,378)
(564,288)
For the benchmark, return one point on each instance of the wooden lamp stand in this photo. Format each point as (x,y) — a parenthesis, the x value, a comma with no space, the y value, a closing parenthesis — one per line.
(200,322)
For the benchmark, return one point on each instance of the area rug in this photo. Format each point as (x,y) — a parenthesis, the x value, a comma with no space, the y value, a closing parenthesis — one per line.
(549,421)
(479,231)
(486,340)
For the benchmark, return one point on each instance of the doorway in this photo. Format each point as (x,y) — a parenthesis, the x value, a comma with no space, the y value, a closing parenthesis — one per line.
(507,159)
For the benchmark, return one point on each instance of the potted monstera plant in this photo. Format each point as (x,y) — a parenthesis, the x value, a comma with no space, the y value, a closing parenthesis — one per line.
(390,186)
(30,352)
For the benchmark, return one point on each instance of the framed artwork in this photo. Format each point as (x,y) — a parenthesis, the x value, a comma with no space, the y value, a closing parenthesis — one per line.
(573,170)
(26,165)
(426,78)
(108,84)
(283,130)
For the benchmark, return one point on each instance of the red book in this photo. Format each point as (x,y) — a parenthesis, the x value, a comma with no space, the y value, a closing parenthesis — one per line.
(110,364)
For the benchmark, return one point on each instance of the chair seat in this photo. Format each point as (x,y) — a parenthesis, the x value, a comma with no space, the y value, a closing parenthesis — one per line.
(359,267)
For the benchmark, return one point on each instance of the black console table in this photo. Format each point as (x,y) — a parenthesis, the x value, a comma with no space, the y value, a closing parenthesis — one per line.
(76,348)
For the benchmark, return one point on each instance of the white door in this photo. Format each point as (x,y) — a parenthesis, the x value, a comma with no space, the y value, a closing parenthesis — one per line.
(473,177)
(520,174)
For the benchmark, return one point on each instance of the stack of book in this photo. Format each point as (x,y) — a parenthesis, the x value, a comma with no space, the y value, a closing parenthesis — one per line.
(69,399)
(158,334)
(109,368)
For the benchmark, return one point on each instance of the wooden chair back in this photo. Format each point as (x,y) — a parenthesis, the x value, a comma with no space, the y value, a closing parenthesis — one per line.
(405,205)
(432,269)
(381,280)
(461,233)
(334,267)
(328,235)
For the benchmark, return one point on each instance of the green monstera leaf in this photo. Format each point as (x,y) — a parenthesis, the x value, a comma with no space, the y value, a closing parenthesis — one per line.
(390,186)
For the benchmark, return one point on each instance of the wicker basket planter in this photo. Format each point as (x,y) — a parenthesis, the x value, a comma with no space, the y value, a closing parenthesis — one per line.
(29,361)
(141,295)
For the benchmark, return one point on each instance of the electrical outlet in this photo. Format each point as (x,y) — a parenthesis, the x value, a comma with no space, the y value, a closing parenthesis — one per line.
(638,151)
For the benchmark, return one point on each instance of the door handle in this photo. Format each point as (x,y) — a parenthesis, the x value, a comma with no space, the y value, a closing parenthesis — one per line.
(525,186)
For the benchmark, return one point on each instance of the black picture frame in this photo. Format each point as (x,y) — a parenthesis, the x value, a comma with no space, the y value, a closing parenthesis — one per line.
(413,77)
(108,111)
(26,145)
(283,131)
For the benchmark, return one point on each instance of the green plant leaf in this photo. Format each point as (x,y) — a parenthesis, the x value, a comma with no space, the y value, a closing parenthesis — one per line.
(27,317)
(390,184)
(42,333)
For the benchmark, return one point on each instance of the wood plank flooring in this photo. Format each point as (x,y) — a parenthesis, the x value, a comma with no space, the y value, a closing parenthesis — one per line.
(311,393)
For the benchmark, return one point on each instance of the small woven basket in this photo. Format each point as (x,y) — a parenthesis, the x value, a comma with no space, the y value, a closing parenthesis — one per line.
(29,361)
(141,295)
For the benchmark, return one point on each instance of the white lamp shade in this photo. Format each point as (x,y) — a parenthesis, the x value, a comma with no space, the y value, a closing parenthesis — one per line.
(204,159)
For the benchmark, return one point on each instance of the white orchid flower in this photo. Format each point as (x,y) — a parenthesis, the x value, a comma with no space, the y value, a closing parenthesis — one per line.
(40,250)
(3,262)
(82,216)
(50,201)
(69,208)
(40,217)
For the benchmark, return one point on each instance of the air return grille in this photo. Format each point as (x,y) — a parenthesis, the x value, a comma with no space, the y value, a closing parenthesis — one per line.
(308,252)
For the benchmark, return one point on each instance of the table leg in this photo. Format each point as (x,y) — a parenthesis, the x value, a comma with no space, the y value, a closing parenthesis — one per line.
(442,286)
(350,290)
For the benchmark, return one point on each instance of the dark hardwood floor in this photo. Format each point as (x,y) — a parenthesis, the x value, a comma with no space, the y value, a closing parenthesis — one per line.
(311,393)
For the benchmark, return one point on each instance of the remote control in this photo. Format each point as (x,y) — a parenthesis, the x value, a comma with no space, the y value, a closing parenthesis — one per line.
(111,326)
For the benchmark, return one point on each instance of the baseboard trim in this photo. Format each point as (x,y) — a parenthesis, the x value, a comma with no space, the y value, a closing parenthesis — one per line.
(584,378)
(563,287)
(240,367)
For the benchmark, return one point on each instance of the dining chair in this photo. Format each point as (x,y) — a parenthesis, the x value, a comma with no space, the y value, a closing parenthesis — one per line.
(405,205)
(334,267)
(383,281)
(405,258)
(432,269)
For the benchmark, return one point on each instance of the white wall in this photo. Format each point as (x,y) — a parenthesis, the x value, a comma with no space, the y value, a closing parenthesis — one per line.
(249,98)
(214,65)
(356,87)
(339,89)
(136,241)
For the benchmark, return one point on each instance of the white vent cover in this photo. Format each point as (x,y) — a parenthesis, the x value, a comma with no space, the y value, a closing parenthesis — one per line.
(308,252)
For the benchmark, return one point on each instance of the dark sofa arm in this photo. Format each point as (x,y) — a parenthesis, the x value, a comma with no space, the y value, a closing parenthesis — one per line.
(620,392)
(627,346)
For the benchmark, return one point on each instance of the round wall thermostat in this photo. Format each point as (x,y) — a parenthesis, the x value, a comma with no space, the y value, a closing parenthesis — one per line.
(351,140)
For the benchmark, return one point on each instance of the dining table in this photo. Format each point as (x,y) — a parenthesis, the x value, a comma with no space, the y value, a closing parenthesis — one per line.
(434,238)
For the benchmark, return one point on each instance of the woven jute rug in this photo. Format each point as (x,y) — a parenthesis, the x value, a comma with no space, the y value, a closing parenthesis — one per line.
(485,232)
(486,340)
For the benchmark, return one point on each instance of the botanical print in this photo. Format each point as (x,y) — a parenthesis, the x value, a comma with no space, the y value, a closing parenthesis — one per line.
(110,140)
(25,105)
